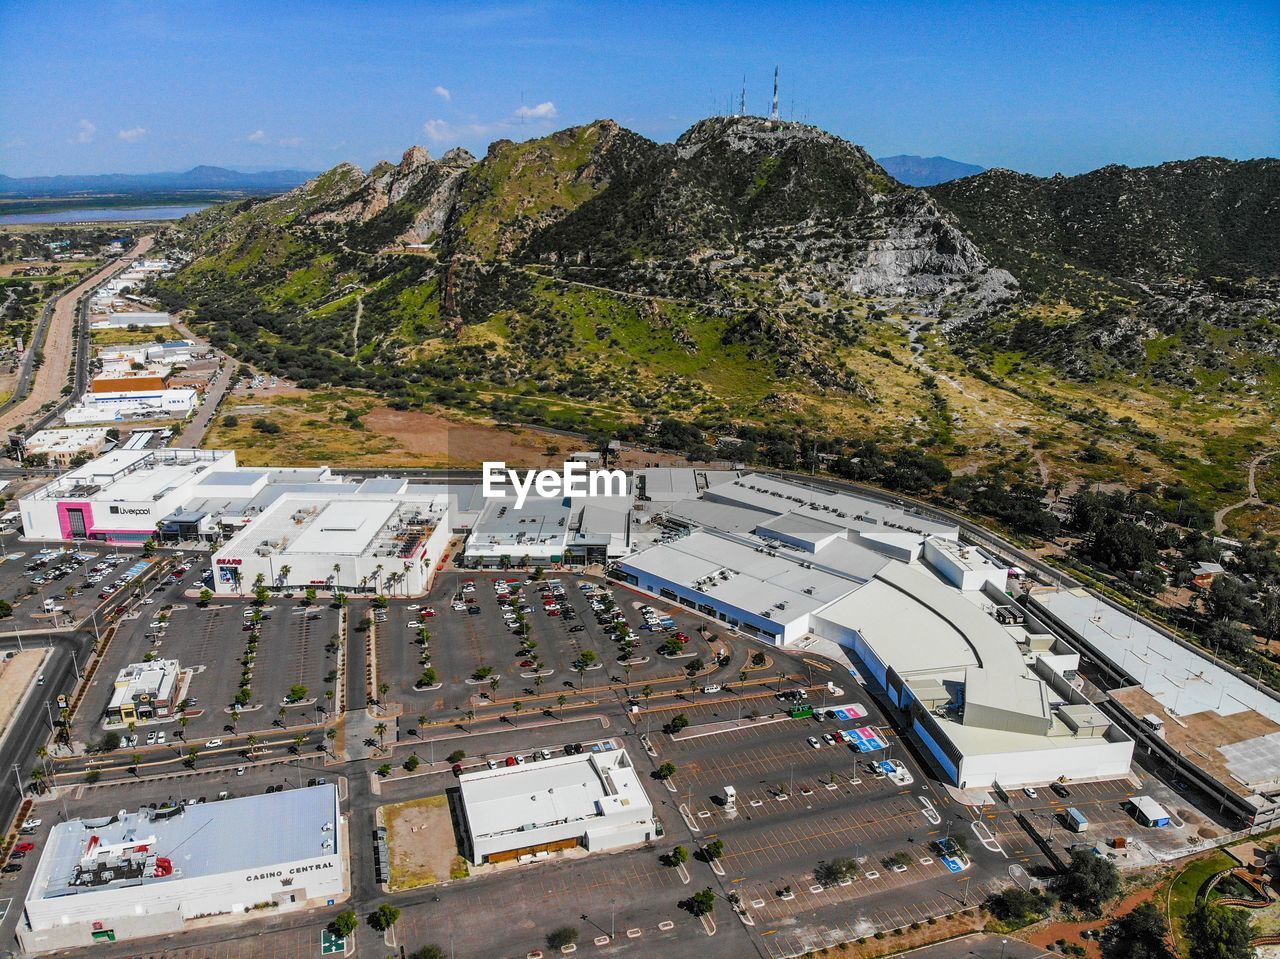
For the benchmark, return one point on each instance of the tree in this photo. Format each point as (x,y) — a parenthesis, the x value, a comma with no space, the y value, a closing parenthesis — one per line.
(310,594)
(1219,932)
(297,693)
(678,722)
(457,756)
(702,902)
(110,743)
(1140,934)
(206,595)
(564,936)
(1089,881)
(384,917)
(384,770)
(381,730)
(430,951)
(344,923)
(835,871)
(412,763)
(516,706)
(428,678)
(560,701)
(679,856)
(666,771)
(714,849)
(1018,907)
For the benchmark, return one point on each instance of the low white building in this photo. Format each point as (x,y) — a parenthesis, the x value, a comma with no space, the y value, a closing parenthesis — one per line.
(62,446)
(594,800)
(145,691)
(122,321)
(154,872)
(166,404)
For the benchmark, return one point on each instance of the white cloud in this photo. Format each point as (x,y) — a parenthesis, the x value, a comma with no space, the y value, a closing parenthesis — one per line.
(438,130)
(442,93)
(543,111)
(132,134)
(257,136)
(87,132)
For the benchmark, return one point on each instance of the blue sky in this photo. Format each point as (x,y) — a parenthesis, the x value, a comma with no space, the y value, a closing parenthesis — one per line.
(91,87)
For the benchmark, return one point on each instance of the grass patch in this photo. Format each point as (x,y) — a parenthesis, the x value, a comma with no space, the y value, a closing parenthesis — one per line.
(1186,887)
(420,837)
(129,337)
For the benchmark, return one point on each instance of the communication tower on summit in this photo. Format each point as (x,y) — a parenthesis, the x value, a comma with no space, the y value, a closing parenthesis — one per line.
(742,98)
(773,112)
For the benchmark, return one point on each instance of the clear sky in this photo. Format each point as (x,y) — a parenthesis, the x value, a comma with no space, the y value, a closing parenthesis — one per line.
(92,87)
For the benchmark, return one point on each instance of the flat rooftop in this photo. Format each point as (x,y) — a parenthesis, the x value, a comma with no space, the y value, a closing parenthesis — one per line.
(842,509)
(134,475)
(1181,680)
(539,522)
(323,521)
(206,839)
(565,789)
(775,583)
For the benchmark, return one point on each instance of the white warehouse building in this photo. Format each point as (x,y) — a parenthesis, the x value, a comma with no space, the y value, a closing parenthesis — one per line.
(153,872)
(595,801)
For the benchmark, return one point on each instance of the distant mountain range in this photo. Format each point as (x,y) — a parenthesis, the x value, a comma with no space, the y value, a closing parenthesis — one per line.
(197,178)
(926,171)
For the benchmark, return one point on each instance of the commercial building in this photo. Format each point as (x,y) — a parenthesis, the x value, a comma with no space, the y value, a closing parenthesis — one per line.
(145,691)
(156,871)
(594,801)
(119,497)
(370,541)
(124,320)
(1218,728)
(60,447)
(121,407)
(924,619)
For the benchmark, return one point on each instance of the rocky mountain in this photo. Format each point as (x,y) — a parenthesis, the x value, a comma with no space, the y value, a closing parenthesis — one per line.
(766,275)
(926,171)
(1195,218)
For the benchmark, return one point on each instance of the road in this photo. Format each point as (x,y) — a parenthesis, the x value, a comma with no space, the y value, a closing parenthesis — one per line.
(199,425)
(60,336)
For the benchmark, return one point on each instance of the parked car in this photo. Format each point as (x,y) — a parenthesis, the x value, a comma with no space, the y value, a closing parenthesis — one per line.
(1059,790)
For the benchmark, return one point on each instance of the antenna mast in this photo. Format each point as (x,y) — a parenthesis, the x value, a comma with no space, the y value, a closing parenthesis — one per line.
(742,98)
(773,113)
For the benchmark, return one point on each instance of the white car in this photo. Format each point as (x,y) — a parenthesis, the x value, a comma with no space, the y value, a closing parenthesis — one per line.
(460,607)
(160,739)
(213,744)
(413,624)
(814,742)
(32,824)
(1030,792)
(148,601)
(156,624)
(413,607)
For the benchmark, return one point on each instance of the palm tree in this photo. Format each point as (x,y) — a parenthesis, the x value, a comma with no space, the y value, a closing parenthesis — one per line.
(646,693)
(381,730)
(284,575)
(494,682)
(298,740)
(471,716)
(37,779)
(383,689)
(281,715)
(516,707)
(422,721)
(337,573)
(135,761)
(560,701)
(182,723)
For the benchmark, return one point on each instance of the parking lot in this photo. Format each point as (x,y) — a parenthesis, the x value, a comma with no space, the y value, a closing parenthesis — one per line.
(53,588)
(468,651)
(294,649)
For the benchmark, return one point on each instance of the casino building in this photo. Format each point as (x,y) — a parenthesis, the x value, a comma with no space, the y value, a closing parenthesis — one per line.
(155,871)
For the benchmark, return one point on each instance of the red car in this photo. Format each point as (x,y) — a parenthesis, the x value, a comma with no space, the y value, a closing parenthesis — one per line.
(429,611)
(526,663)
(511,760)
(554,611)
(682,637)
(457,769)
(24,847)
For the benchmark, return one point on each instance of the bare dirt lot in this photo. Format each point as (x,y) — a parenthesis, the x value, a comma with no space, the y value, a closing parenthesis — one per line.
(15,675)
(420,836)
